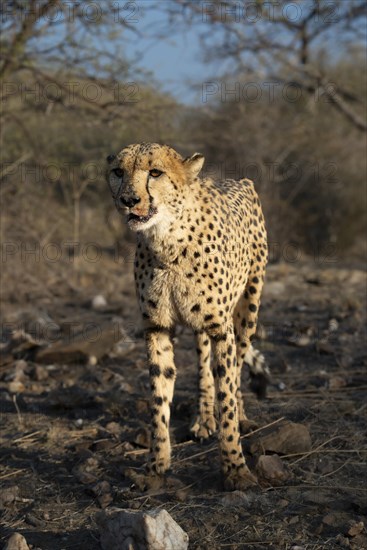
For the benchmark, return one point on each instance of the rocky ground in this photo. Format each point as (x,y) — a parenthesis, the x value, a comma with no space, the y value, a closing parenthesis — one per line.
(74,397)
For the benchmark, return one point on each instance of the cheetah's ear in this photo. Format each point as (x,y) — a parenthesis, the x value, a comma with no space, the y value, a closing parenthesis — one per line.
(194,164)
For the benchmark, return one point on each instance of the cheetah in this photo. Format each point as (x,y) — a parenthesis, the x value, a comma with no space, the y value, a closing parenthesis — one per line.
(200,260)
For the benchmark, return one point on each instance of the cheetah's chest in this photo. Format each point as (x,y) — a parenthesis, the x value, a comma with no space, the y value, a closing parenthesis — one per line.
(168,297)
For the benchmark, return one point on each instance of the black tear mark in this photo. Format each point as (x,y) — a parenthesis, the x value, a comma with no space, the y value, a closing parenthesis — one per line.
(147,189)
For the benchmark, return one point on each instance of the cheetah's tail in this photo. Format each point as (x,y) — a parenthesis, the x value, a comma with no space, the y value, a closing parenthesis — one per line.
(259,372)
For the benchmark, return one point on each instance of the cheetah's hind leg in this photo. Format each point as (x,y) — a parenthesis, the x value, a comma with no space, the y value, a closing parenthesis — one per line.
(245,318)
(259,379)
(259,372)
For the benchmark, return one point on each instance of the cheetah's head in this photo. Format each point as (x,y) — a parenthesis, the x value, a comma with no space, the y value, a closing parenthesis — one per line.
(151,183)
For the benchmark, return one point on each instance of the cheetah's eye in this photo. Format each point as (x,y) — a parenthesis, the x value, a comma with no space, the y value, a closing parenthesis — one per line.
(155,173)
(119,173)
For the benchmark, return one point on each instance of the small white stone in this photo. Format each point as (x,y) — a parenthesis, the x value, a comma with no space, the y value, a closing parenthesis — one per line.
(333,325)
(153,530)
(16,542)
(99,302)
(92,360)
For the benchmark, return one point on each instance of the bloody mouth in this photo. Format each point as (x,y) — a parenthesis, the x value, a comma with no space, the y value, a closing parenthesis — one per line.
(134,219)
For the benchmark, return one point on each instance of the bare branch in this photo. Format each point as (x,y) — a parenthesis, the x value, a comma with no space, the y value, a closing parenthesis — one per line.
(341,105)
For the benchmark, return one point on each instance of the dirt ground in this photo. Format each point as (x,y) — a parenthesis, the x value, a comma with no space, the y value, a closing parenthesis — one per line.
(74,428)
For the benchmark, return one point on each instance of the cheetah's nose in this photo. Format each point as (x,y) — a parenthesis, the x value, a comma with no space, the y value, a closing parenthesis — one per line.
(130,201)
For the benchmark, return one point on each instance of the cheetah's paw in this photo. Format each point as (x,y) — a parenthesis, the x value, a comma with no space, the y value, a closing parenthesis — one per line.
(239,480)
(247,426)
(158,465)
(203,427)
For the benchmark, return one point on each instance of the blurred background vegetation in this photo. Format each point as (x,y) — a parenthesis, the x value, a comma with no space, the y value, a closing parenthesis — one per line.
(285,106)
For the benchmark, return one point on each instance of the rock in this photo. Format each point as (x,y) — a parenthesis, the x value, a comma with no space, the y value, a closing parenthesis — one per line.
(293,520)
(142,406)
(331,519)
(16,387)
(271,468)
(37,324)
(355,528)
(87,472)
(40,373)
(104,445)
(333,325)
(236,498)
(88,345)
(122,348)
(136,530)
(8,495)
(337,382)
(342,541)
(105,500)
(102,491)
(274,288)
(182,495)
(143,437)
(102,487)
(114,428)
(99,302)
(17,542)
(33,520)
(284,438)
(323,346)
(316,496)
(20,343)
(300,340)
(356,276)
(20,367)
(71,397)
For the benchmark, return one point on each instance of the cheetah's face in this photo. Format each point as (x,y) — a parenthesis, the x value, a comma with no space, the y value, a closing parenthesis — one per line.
(150,182)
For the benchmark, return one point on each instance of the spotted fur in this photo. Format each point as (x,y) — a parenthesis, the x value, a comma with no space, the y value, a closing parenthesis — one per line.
(200,261)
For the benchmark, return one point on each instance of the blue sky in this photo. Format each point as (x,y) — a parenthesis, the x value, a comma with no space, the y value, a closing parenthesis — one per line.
(172,53)
(176,66)
(175,61)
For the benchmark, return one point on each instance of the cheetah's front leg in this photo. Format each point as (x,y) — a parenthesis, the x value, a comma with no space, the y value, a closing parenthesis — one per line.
(162,379)
(236,473)
(204,424)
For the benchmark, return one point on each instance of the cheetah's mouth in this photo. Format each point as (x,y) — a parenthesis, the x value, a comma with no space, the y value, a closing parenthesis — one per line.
(135,219)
